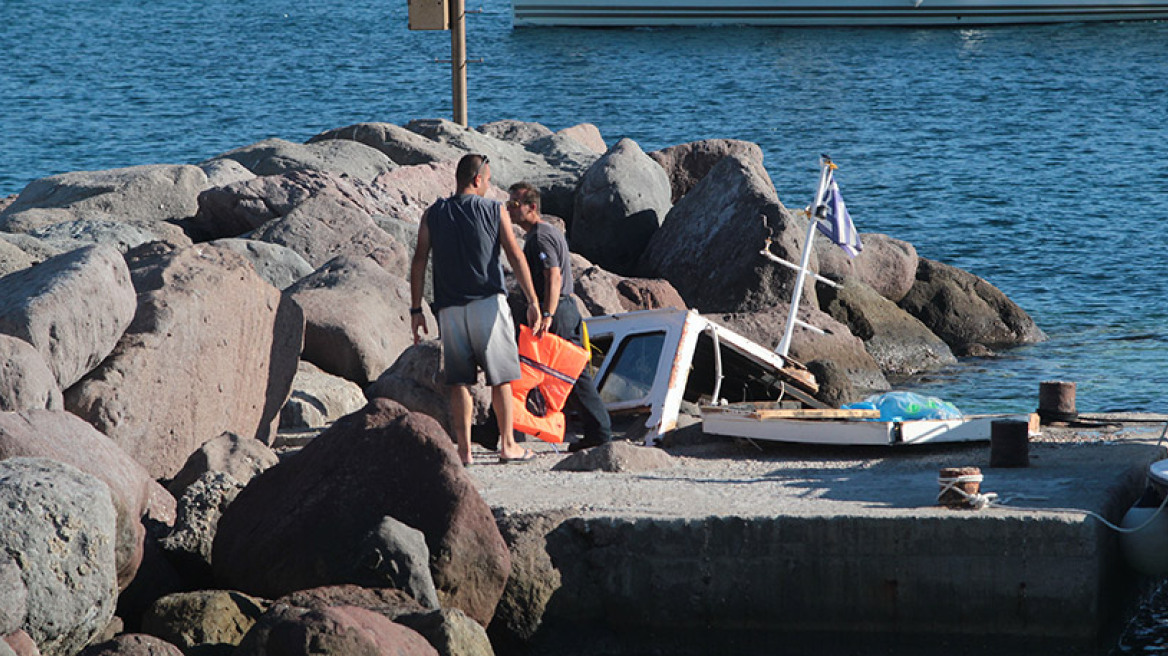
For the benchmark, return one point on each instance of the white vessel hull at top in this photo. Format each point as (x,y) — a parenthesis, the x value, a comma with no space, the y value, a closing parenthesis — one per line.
(649,13)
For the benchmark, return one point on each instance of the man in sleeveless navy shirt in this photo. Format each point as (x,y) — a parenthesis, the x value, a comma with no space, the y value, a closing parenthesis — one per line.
(466,233)
(546,252)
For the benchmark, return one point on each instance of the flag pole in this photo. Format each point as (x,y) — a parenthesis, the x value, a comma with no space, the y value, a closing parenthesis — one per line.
(785,344)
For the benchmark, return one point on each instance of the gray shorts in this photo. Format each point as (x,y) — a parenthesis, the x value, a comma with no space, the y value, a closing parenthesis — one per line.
(479,334)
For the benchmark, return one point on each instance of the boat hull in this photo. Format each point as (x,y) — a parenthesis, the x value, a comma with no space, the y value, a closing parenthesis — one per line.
(642,13)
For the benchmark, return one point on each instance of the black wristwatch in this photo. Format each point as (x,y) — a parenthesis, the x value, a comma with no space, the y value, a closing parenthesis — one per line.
(415,311)
(547,315)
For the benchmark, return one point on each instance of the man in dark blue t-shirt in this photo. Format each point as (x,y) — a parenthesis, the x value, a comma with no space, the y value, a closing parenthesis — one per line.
(466,233)
(546,252)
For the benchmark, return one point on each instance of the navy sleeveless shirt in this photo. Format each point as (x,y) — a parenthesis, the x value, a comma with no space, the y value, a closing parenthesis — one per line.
(464,238)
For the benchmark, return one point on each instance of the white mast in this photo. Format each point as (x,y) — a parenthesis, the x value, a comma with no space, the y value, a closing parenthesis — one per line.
(825,173)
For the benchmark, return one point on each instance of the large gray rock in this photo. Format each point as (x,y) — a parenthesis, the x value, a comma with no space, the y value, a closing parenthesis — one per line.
(202,504)
(303,523)
(322,228)
(898,341)
(62,522)
(709,246)
(38,250)
(417,381)
(279,265)
(203,621)
(616,456)
(138,194)
(620,203)
(402,558)
(119,235)
(402,146)
(202,311)
(688,163)
(222,172)
(26,382)
(132,644)
(520,132)
(357,318)
(63,437)
(450,632)
(966,311)
(73,308)
(552,163)
(13,258)
(339,156)
(13,596)
(887,265)
(319,398)
(241,457)
(839,345)
(234,209)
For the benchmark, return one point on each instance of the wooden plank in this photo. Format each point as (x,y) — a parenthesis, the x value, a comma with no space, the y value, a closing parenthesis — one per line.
(817,413)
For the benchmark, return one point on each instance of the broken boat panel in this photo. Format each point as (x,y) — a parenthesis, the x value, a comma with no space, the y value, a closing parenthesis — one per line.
(651,361)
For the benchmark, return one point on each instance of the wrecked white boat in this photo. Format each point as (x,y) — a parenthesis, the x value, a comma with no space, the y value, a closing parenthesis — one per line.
(652,362)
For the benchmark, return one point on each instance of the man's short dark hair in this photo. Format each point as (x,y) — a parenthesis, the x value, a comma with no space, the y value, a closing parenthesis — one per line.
(468,167)
(526,193)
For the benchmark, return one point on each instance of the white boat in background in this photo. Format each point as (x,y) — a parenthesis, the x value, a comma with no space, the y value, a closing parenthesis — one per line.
(658,13)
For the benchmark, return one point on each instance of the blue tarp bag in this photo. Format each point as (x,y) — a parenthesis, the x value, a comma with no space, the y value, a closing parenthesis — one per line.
(902,406)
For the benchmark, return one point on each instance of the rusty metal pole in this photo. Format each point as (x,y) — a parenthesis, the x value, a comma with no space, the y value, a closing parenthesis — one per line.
(458,59)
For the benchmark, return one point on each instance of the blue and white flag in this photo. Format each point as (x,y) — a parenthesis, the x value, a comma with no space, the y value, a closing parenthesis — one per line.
(837,224)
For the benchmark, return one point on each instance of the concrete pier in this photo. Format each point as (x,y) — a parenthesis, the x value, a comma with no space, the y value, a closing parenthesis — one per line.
(792,549)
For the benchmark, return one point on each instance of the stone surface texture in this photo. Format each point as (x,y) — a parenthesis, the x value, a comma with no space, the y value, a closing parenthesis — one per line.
(204,312)
(62,524)
(73,308)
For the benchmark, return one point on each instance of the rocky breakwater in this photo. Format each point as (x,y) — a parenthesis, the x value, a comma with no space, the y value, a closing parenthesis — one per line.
(161,323)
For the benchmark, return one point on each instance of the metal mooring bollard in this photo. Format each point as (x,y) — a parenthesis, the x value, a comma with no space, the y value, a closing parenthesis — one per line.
(1009,443)
(1056,401)
(952,479)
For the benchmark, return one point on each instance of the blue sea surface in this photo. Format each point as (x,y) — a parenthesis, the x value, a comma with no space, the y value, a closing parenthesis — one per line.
(1033,156)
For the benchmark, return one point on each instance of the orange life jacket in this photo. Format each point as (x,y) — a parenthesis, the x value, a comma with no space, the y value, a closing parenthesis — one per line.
(549,367)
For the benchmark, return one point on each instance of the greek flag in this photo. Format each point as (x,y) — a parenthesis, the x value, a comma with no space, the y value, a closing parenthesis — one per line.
(836,223)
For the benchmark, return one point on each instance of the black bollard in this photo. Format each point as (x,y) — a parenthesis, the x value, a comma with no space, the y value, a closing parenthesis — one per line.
(1009,443)
(1056,402)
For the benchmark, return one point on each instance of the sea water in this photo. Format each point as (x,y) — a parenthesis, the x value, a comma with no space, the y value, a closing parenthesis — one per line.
(1033,156)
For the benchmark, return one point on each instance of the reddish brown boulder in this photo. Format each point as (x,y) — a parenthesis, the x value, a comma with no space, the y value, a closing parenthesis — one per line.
(709,246)
(688,163)
(603,292)
(213,348)
(405,193)
(587,135)
(357,318)
(386,601)
(65,438)
(332,631)
(887,265)
(303,523)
